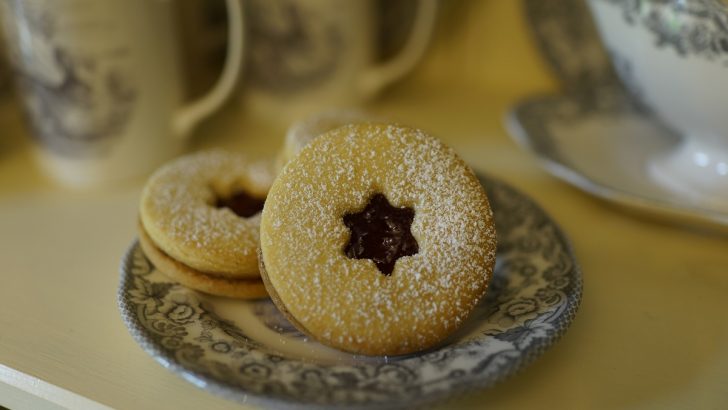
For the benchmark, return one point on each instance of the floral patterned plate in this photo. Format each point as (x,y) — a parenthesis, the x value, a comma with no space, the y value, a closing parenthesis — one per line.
(248,352)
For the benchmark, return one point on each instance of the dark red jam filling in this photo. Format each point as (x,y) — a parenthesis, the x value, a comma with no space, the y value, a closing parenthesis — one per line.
(241,204)
(381,232)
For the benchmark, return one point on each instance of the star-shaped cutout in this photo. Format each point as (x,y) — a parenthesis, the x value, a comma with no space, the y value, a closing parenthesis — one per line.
(381,232)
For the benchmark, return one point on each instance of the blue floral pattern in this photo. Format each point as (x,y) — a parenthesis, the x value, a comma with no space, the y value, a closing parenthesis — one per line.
(534,295)
(78,97)
(695,27)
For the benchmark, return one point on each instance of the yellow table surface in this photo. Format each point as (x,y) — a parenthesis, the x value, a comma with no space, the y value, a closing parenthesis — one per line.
(652,331)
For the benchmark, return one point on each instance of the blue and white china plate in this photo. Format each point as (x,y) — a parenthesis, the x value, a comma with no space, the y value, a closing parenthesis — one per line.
(604,145)
(248,352)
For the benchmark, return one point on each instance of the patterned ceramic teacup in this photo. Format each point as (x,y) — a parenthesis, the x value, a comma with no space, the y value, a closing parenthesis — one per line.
(102,84)
(304,56)
(673,57)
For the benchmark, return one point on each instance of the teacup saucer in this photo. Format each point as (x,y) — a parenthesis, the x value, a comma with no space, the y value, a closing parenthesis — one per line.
(606,149)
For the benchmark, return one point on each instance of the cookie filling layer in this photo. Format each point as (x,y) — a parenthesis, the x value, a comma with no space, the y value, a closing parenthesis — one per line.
(242,204)
(381,232)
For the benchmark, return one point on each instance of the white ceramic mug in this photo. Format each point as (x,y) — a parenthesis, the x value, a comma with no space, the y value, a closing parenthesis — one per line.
(673,56)
(102,84)
(304,56)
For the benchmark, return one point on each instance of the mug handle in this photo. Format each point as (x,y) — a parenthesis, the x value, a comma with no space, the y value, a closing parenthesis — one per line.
(379,76)
(190,114)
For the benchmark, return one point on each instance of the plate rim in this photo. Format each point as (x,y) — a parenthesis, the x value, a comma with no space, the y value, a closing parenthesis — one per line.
(234,393)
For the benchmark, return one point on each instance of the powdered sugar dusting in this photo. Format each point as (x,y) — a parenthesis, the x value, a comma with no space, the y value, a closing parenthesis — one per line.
(179,213)
(347,302)
(302,132)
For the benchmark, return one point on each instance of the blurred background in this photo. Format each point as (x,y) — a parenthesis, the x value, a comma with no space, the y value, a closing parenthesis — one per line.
(481,50)
(475,44)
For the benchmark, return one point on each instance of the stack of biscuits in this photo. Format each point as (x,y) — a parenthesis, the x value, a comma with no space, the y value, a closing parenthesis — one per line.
(371,237)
